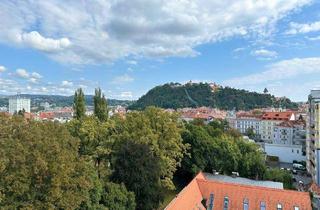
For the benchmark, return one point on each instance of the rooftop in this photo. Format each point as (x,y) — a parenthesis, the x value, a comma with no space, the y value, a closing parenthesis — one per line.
(278,116)
(207,191)
(245,181)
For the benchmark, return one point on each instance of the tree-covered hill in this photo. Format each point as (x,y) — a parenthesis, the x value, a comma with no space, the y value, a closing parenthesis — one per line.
(175,95)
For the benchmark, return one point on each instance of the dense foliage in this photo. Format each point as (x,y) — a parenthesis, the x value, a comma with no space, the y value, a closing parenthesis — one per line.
(175,95)
(40,167)
(215,147)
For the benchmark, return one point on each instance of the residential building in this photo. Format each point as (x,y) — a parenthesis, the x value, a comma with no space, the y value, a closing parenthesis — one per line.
(210,191)
(204,113)
(269,120)
(245,121)
(313,142)
(288,142)
(18,103)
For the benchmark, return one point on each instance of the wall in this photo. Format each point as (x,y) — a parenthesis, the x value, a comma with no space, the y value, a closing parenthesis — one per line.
(284,152)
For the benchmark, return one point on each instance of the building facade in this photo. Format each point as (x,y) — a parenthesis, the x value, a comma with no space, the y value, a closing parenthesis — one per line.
(19,103)
(245,121)
(313,137)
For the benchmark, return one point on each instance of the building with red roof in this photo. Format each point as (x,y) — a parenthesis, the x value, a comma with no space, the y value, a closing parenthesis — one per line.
(208,191)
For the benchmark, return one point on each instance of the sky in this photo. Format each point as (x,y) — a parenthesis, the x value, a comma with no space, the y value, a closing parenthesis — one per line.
(128,47)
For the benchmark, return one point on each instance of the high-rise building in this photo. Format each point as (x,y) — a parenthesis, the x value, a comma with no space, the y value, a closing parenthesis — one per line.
(19,103)
(313,140)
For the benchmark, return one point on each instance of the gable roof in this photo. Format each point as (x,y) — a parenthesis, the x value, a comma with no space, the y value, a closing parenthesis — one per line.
(200,188)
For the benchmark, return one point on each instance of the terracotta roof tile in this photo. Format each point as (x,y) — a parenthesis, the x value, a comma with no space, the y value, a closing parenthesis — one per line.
(200,188)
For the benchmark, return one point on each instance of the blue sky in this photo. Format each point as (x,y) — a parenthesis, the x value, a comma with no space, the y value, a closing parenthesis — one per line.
(128,47)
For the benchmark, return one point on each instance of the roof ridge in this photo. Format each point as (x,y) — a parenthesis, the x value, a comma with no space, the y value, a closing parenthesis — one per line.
(250,186)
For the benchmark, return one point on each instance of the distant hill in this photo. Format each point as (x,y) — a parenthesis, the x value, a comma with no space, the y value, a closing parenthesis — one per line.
(175,95)
(61,101)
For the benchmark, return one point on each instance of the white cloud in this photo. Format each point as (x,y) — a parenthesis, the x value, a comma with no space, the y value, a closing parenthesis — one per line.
(37,41)
(22,73)
(36,75)
(315,38)
(122,79)
(33,77)
(278,71)
(103,31)
(132,62)
(264,54)
(126,95)
(66,83)
(2,69)
(303,28)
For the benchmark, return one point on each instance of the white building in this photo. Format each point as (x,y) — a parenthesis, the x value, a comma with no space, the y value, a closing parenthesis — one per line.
(246,121)
(286,153)
(19,103)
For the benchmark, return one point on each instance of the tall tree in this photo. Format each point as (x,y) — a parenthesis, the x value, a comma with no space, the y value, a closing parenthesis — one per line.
(139,169)
(79,104)
(100,105)
(40,167)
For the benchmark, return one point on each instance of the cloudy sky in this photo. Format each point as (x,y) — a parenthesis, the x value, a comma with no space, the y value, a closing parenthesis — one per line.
(127,47)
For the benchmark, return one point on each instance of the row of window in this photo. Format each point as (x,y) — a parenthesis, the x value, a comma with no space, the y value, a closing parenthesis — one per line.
(263,205)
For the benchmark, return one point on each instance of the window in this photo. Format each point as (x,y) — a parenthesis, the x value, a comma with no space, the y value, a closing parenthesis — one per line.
(279,206)
(262,205)
(296,208)
(226,203)
(210,207)
(297,151)
(245,204)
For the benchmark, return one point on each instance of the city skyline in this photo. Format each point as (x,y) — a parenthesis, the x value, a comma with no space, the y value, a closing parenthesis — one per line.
(127,48)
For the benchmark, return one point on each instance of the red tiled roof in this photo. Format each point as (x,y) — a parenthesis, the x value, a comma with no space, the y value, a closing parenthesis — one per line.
(277,115)
(46,115)
(200,188)
(291,124)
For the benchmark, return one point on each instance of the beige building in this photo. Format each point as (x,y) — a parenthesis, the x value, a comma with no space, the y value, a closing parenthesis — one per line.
(271,119)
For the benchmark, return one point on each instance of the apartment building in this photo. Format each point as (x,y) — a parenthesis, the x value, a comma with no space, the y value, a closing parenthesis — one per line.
(18,103)
(271,119)
(245,121)
(313,137)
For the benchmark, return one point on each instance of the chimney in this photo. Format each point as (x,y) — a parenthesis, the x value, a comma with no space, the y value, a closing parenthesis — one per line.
(235,174)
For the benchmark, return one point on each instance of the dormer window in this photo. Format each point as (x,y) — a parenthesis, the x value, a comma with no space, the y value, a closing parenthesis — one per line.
(245,204)
(226,203)
(262,205)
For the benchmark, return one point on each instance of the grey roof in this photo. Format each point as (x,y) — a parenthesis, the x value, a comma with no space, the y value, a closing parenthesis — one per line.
(244,181)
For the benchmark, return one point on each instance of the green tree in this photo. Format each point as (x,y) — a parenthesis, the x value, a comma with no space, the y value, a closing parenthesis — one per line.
(250,133)
(139,169)
(161,131)
(278,175)
(100,105)
(95,141)
(40,167)
(117,197)
(212,146)
(79,104)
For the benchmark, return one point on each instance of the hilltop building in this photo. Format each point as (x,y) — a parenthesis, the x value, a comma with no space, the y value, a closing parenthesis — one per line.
(19,103)
(210,191)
